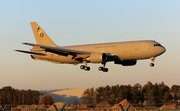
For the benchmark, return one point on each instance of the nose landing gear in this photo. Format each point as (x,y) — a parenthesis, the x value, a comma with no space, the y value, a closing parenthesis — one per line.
(152,60)
(152,64)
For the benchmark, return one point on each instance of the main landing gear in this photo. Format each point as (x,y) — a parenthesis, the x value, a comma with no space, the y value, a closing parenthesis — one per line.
(152,60)
(103,68)
(85,67)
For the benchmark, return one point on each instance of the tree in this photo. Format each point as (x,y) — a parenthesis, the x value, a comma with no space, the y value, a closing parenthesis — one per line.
(136,93)
(120,97)
(166,97)
(46,100)
(114,94)
(0,100)
(126,90)
(160,91)
(99,94)
(149,92)
(76,102)
(7,95)
(107,93)
(88,97)
(175,91)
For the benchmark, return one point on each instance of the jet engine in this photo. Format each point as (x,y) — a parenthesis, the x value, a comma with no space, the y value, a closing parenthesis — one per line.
(126,62)
(97,58)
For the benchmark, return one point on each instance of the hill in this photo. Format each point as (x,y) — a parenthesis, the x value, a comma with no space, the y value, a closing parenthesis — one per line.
(67,95)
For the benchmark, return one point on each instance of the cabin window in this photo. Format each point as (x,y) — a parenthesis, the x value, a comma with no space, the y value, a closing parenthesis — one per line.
(157,45)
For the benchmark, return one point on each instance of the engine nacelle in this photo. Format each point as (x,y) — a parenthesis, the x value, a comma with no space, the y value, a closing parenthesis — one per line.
(97,58)
(126,62)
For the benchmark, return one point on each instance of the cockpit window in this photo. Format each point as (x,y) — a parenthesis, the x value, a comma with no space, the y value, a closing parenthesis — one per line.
(157,45)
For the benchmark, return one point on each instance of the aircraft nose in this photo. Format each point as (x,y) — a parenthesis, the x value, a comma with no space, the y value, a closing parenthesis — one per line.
(163,49)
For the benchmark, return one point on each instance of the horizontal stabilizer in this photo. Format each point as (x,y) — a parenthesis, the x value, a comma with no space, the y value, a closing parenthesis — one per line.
(29,52)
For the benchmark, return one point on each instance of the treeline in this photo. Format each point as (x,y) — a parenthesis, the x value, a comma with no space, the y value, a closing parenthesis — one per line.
(147,95)
(11,96)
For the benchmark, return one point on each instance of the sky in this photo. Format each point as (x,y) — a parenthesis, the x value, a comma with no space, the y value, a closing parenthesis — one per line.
(69,22)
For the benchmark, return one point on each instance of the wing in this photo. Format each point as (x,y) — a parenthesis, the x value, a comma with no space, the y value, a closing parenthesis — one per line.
(61,51)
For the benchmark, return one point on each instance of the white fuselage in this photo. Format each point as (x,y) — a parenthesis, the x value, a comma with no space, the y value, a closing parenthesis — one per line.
(133,50)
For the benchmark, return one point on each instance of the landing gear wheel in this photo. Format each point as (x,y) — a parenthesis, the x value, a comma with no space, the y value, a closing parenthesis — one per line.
(105,70)
(82,67)
(86,68)
(152,64)
(100,68)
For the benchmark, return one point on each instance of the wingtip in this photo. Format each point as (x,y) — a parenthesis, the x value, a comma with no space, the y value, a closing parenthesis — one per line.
(24,43)
(18,50)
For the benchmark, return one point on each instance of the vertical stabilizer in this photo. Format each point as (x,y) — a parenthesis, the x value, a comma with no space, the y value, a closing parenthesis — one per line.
(41,37)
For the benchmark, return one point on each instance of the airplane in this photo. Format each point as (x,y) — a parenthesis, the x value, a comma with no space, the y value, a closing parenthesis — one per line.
(123,53)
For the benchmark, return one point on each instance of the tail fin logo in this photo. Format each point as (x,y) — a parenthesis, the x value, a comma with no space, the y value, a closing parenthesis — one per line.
(39,30)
